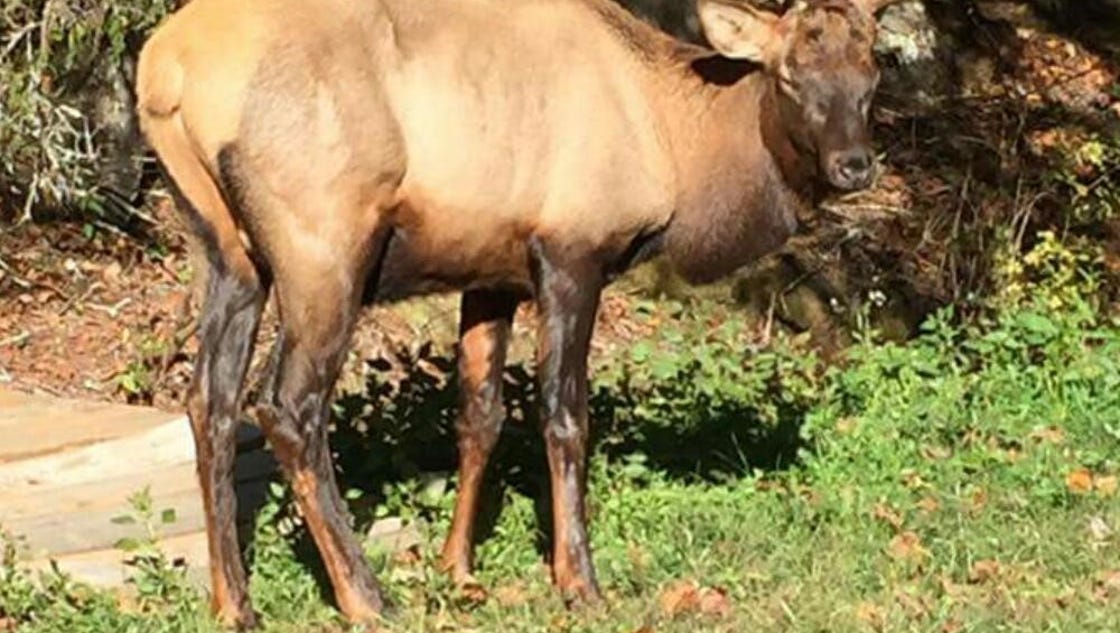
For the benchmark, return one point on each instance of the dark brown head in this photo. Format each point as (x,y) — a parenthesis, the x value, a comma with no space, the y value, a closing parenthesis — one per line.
(819,55)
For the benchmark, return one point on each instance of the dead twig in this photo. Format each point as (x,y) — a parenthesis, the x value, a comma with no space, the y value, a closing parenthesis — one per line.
(73,301)
(11,274)
(18,339)
(113,310)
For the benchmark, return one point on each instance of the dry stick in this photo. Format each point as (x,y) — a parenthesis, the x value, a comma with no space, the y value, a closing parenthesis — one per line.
(18,339)
(11,274)
(73,301)
(17,37)
(966,187)
(177,342)
(28,283)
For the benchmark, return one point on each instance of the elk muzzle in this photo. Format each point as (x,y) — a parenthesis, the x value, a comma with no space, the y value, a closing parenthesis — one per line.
(850,169)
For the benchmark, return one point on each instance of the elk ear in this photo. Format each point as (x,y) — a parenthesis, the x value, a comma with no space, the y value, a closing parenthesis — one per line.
(873,6)
(739,31)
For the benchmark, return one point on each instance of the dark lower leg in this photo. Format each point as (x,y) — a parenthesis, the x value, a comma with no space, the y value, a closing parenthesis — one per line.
(572,567)
(568,296)
(483,338)
(295,418)
(232,313)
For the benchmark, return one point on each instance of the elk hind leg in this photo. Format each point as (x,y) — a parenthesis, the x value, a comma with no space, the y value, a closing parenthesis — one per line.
(234,298)
(485,320)
(319,301)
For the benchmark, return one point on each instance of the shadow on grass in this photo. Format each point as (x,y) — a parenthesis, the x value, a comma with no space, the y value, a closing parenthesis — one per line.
(400,434)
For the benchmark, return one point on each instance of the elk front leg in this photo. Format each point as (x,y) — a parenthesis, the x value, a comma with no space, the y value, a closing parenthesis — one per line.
(484,327)
(567,291)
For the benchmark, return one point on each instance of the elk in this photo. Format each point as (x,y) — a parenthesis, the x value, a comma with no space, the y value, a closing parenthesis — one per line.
(339,152)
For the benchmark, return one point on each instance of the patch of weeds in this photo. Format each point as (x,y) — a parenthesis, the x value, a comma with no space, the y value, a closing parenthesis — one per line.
(139,377)
(160,583)
(962,481)
(52,55)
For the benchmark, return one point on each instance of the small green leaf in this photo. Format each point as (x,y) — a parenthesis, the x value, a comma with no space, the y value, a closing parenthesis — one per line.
(123,519)
(167,517)
(1038,323)
(641,352)
(128,544)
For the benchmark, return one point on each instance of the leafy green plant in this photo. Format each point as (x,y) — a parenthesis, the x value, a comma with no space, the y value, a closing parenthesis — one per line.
(139,377)
(1092,177)
(160,583)
(1059,274)
(51,53)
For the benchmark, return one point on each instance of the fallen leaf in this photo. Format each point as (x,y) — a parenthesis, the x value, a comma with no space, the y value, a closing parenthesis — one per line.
(978,500)
(911,479)
(1108,585)
(679,597)
(885,513)
(1079,481)
(950,588)
(870,614)
(560,622)
(408,557)
(111,272)
(1098,529)
(915,606)
(929,505)
(126,602)
(952,626)
(714,601)
(1106,486)
(983,570)
(907,546)
(474,592)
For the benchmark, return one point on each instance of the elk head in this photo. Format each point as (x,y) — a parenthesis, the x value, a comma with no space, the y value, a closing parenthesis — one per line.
(820,55)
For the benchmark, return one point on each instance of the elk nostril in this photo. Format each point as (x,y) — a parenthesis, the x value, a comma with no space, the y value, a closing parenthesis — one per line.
(856,162)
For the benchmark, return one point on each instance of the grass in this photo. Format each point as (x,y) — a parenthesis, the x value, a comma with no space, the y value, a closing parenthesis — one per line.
(963,481)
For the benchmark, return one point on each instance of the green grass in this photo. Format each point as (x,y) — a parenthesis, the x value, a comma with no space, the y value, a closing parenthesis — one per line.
(963,481)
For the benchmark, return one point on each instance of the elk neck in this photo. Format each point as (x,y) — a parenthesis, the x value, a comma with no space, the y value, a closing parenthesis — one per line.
(739,177)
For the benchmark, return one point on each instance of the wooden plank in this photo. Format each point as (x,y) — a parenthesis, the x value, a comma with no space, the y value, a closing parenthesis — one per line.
(108,567)
(168,443)
(67,469)
(32,425)
(60,534)
(27,500)
(80,518)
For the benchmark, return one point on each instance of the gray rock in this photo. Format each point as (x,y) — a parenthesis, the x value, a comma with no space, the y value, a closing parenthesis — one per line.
(393,535)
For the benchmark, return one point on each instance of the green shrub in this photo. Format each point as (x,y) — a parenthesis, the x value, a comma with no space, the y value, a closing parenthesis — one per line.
(53,57)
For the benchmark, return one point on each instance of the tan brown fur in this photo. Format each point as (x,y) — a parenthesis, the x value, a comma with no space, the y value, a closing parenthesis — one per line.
(347,150)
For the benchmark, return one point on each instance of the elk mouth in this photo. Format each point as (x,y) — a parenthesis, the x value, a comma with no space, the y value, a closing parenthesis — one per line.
(851,169)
